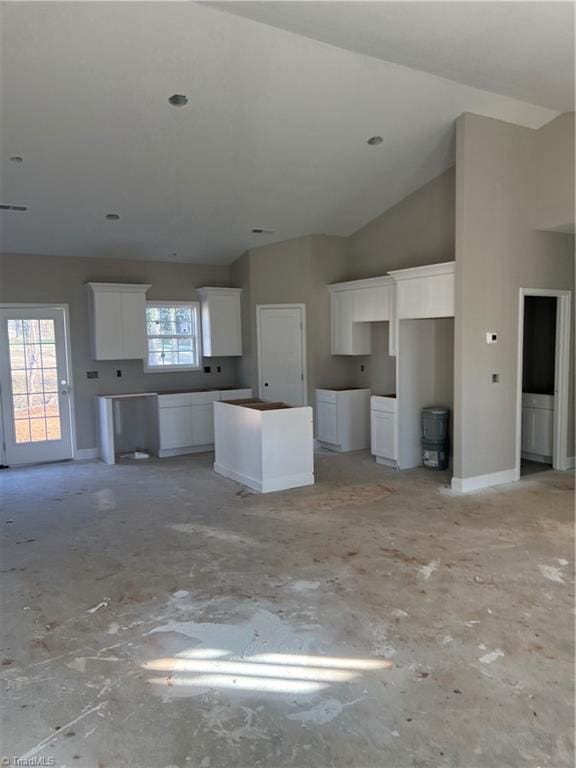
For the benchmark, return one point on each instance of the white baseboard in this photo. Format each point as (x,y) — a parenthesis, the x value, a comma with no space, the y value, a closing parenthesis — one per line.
(85,454)
(166,453)
(386,462)
(478,482)
(266,486)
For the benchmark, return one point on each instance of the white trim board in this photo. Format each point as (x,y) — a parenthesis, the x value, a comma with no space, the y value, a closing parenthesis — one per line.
(478,482)
(561,374)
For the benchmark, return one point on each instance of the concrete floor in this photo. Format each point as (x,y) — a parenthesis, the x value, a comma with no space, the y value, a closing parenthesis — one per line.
(155,614)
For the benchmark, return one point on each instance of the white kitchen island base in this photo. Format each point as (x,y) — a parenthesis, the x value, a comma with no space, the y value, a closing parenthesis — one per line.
(265,446)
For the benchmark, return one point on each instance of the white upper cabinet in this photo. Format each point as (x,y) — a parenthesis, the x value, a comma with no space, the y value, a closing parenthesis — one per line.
(425,291)
(353,306)
(118,321)
(348,337)
(373,300)
(221,322)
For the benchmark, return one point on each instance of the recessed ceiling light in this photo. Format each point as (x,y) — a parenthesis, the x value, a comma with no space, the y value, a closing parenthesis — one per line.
(178,100)
(16,159)
(375,140)
(112,216)
(262,231)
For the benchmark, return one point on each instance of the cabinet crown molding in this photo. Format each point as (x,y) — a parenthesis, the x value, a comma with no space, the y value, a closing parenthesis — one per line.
(205,290)
(119,287)
(369,282)
(445,268)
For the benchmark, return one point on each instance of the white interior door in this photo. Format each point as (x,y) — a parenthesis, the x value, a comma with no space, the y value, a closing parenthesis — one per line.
(35,385)
(281,353)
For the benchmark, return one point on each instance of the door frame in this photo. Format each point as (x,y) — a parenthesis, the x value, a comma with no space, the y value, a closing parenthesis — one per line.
(68,347)
(302,308)
(560,458)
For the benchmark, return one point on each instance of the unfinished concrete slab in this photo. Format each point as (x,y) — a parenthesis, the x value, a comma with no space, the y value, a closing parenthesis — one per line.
(155,614)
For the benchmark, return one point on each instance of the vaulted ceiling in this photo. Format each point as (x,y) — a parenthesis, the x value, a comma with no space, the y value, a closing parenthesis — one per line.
(273,135)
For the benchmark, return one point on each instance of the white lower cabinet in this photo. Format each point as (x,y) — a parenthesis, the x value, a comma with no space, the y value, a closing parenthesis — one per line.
(384,426)
(537,427)
(265,446)
(343,418)
(175,427)
(186,420)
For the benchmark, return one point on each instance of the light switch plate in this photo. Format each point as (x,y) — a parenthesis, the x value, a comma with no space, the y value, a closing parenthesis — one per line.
(491,337)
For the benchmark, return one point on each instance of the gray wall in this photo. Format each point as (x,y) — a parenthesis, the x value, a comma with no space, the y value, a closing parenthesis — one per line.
(498,251)
(418,230)
(50,279)
(295,271)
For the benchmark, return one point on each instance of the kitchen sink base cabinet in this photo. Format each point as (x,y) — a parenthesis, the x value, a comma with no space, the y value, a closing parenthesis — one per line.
(266,450)
(186,420)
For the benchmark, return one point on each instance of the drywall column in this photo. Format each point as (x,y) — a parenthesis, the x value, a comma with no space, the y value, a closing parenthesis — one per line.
(498,251)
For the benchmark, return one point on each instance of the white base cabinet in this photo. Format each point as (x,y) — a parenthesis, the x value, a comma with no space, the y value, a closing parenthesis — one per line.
(343,418)
(537,427)
(265,446)
(186,420)
(384,429)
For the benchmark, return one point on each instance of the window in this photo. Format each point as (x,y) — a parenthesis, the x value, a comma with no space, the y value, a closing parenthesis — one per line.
(173,333)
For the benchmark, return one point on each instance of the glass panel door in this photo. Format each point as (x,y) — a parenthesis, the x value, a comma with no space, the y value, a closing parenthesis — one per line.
(35,385)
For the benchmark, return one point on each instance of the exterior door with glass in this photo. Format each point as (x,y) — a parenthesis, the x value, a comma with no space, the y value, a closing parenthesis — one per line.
(35,385)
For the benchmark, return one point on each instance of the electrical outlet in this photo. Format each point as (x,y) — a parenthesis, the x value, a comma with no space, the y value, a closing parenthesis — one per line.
(495,378)
(361,369)
(218,369)
(91,374)
(118,373)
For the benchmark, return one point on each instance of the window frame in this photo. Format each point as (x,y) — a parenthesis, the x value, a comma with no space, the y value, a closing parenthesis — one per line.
(195,307)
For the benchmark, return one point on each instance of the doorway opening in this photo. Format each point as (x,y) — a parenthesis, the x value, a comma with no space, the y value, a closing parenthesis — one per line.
(543,378)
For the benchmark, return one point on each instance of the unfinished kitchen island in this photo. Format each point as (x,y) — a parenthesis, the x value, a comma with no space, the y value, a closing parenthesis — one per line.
(263,445)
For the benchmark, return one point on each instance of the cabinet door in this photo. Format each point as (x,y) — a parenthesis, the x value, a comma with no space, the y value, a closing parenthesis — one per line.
(221,326)
(348,337)
(202,419)
(537,431)
(133,308)
(175,426)
(107,325)
(383,434)
(326,422)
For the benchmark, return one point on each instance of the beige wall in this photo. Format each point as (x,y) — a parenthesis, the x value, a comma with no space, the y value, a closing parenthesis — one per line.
(418,230)
(49,279)
(553,181)
(295,271)
(498,251)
